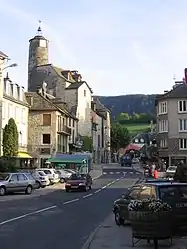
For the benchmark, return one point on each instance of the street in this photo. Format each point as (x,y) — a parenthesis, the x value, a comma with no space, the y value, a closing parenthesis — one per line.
(59,219)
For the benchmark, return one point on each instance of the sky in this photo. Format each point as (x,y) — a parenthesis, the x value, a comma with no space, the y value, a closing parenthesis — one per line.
(119,46)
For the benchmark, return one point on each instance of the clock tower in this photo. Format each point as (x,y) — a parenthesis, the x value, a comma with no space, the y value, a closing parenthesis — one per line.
(38,53)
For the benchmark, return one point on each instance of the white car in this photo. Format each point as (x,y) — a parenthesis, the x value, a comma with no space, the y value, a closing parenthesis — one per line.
(41,178)
(52,174)
(170,172)
(135,160)
(63,174)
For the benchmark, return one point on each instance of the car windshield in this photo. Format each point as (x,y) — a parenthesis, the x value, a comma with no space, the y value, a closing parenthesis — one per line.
(46,171)
(76,177)
(172,168)
(41,173)
(4,177)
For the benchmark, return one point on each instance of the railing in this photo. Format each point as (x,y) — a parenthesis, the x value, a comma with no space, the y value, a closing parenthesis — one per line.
(64,128)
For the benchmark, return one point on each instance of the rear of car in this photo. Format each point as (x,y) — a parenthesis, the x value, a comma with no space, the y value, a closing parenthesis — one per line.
(41,178)
(176,195)
(63,175)
(52,175)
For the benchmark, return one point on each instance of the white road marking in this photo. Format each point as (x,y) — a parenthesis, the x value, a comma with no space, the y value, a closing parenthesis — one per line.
(97,191)
(28,214)
(55,206)
(86,196)
(97,177)
(67,202)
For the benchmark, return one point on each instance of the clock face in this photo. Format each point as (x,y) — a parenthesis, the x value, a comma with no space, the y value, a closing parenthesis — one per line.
(43,43)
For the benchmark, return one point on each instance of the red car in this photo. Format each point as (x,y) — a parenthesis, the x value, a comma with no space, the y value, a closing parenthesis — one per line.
(79,182)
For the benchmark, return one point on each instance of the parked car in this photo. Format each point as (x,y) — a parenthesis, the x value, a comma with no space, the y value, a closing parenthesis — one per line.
(170,172)
(63,175)
(52,174)
(79,182)
(173,193)
(16,182)
(135,160)
(42,180)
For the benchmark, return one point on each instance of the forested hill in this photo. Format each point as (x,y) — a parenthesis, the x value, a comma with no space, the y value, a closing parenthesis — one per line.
(137,103)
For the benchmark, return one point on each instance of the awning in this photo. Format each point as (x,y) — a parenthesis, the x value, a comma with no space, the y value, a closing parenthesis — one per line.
(65,160)
(23,155)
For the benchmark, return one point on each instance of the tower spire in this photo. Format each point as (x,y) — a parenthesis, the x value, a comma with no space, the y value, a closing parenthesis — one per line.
(39,30)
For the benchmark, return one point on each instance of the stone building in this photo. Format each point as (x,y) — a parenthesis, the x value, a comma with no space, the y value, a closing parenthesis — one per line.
(171,109)
(100,132)
(52,128)
(66,85)
(14,105)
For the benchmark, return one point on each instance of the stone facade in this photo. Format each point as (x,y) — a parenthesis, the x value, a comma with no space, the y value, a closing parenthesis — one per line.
(60,131)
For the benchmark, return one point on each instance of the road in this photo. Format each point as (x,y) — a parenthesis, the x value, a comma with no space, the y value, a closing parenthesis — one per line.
(59,219)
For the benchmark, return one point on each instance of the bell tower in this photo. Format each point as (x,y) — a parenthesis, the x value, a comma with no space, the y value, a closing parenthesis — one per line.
(38,53)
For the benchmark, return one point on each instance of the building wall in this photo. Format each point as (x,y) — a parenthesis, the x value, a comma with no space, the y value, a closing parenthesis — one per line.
(19,113)
(2,64)
(84,111)
(71,97)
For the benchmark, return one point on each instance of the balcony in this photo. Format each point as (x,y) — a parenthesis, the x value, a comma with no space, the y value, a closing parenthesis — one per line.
(63,129)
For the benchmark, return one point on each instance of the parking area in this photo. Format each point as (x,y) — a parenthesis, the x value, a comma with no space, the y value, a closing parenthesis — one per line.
(35,193)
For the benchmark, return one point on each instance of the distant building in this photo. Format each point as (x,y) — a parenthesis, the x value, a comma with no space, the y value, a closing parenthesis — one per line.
(171,108)
(14,105)
(52,129)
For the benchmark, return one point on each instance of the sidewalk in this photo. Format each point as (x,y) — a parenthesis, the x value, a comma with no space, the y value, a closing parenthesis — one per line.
(110,236)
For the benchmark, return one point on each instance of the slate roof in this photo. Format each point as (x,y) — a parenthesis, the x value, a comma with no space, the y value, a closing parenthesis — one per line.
(179,91)
(75,85)
(4,56)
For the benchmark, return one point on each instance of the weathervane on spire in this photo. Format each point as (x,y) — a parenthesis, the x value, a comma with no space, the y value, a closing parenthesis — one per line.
(39,30)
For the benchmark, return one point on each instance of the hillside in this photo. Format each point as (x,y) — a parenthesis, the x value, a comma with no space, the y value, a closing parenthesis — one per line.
(138,103)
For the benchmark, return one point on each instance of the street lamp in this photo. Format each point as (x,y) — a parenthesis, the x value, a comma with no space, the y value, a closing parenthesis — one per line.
(11,65)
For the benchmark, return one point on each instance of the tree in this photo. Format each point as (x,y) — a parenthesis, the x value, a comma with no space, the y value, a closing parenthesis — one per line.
(10,139)
(120,137)
(123,116)
(87,143)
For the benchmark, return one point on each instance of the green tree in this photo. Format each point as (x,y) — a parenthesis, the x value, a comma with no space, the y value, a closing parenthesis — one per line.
(135,116)
(10,139)
(87,143)
(123,116)
(120,137)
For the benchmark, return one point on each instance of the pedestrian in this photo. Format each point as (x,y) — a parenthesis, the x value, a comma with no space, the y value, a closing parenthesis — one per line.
(155,173)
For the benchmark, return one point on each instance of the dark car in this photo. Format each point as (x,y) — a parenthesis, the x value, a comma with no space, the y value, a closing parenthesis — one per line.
(79,182)
(126,160)
(173,193)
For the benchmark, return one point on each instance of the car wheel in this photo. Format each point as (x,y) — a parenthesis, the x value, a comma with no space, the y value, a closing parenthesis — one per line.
(28,190)
(38,185)
(2,191)
(119,221)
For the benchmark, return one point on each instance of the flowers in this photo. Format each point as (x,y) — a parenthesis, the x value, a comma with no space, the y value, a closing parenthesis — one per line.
(149,205)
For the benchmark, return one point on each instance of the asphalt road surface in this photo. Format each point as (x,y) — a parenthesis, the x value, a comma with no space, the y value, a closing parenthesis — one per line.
(59,220)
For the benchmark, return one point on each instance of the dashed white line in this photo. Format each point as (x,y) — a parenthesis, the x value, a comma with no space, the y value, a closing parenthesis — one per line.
(28,214)
(97,191)
(67,202)
(86,196)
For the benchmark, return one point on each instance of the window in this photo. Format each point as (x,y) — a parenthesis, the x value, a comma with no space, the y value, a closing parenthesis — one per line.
(10,111)
(69,121)
(183,143)
(23,117)
(73,136)
(47,119)
(183,125)
(182,106)
(22,177)
(134,192)
(84,93)
(46,138)
(162,108)
(145,192)
(163,143)
(163,126)
(14,178)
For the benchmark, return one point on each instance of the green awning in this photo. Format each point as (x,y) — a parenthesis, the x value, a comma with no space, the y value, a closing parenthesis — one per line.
(65,160)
